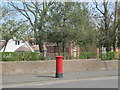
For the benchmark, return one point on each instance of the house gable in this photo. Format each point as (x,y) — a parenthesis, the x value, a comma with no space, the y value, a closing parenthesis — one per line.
(23,49)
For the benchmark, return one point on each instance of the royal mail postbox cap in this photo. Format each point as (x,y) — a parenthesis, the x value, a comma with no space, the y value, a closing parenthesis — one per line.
(59,57)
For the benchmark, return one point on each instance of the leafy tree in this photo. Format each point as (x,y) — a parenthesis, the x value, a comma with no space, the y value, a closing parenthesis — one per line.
(70,22)
(58,30)
(84,30)
(13,29)
(35,12)
(107,23)
(118,33)
(10,28)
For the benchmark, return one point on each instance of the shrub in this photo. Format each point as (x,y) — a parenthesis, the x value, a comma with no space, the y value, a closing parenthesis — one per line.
(21,56)
(108,56)
(86,55)
(66,56)
(8,59)
(7,56)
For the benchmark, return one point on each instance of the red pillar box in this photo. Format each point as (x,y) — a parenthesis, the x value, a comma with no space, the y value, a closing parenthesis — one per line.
(59,66)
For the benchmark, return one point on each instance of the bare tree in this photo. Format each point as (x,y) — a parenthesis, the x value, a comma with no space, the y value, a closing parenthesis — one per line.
(118,32)
(115,26)
(108,24)
(35,12)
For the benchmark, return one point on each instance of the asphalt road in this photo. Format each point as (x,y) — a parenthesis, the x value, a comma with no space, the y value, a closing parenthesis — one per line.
(100,82)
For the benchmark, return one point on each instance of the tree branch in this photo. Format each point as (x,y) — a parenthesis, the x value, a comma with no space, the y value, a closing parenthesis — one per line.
(29,8)
(96,4)
(28,17)
(19,10)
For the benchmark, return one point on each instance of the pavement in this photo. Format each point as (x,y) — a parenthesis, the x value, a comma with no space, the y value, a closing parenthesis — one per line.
(106,82)
(8,80)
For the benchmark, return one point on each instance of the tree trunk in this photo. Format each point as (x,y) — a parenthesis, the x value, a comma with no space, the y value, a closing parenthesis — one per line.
(85,48)
(115,26)
(114,46)
(63,48)
(108,48)
(41,48)
(5,45)
(118,37)
(58,48)
(107,42)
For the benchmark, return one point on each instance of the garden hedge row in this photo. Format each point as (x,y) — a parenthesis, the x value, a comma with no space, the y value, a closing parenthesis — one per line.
(21,56)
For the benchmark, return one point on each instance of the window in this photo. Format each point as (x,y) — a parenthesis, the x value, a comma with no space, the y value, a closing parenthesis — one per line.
(17,42)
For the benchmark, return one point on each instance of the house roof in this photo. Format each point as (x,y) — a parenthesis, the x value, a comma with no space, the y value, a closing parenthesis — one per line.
(2,42)
(22,49)
(51,44)
(35,47)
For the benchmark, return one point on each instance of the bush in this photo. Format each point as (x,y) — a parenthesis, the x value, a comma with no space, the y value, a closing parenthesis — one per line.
(21,56)
(66,56)
(108,56)
(7,56)
(8,59)
(86,55)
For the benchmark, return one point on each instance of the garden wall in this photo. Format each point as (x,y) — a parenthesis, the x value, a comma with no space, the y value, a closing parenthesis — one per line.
(37,67)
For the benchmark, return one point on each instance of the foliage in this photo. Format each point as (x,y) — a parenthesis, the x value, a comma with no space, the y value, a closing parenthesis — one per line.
(106,20)
(35,13)
(63,22)
(108,56)
(21,56)
(70,22)
(13,28)
(65,55)
(58,29)
(7,13)
(86,55)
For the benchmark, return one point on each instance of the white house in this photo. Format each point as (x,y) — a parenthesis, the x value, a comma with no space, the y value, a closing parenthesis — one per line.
(17,46)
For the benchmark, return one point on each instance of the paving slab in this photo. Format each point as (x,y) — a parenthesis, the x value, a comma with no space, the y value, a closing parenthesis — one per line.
(16,79)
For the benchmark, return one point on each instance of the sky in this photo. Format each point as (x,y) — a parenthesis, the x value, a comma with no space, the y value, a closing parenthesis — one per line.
(19,16)
(59,0)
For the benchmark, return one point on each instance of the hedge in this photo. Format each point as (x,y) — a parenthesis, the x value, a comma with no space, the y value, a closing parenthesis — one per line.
(87,55)
(21,56)
(108,56)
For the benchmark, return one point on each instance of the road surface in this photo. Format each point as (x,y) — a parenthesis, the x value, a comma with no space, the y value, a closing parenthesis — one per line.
(100,82)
